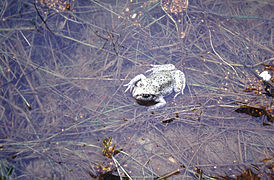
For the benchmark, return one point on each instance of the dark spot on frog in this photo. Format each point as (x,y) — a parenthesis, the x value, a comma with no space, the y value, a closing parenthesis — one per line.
(164,85)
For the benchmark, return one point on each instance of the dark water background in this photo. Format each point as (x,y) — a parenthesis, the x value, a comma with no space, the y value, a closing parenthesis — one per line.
(63,66)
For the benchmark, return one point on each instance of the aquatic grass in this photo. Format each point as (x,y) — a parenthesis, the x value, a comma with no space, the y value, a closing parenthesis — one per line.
(62,76)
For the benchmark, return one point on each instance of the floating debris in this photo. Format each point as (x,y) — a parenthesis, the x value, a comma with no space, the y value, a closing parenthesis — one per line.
(255,112)
(248,174)
(167,175)
(109,149)
(110,176)
(168,120)
(171,119)
(265,75)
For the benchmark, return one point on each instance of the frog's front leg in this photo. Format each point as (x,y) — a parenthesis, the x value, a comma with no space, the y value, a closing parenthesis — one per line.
(165,67)
(161,103)
(133,81)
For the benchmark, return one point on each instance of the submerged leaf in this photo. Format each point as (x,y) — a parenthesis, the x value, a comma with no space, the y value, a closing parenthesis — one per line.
(109,176)
(252,111)
(248,174)
(255,111)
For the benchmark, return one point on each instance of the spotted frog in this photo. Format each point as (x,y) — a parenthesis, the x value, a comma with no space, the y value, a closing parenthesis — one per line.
(151,90)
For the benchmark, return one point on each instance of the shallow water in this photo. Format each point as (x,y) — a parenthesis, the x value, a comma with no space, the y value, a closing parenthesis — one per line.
(64,64)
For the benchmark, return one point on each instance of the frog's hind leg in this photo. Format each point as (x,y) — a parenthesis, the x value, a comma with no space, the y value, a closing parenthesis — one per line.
(165,67)
(133,81)
(180,83)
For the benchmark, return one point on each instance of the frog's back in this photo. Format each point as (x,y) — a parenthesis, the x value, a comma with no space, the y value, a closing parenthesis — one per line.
(164,81)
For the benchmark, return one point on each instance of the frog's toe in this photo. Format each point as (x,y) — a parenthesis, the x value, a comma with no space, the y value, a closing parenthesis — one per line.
(129,87)
(176,95)
(183,90)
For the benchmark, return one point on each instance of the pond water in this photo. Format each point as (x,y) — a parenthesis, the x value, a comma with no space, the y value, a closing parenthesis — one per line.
(65,115)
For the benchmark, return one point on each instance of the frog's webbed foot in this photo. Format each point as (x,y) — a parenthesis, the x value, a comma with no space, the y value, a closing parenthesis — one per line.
(165,67)
(161,103)
(132,83)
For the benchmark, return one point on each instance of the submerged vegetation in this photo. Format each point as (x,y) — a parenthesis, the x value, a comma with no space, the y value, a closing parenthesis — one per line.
(64,113)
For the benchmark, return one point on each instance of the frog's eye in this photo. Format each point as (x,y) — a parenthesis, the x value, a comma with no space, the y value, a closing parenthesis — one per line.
(138,83)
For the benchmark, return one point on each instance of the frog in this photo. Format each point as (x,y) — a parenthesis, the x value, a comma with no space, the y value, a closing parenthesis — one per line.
(151,90)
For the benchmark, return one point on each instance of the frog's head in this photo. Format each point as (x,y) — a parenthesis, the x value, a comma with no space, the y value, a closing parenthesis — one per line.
(145,94)
(146,99)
